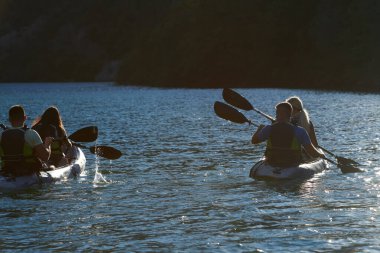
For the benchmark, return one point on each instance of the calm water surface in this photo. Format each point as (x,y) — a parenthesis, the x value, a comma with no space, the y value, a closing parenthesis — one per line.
(183,185)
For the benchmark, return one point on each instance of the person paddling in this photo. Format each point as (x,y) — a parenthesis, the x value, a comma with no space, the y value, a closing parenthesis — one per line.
(284,140)
(300,117)
(50,125)
(21,148)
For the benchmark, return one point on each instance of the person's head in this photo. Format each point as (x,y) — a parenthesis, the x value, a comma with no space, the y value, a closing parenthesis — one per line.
(283,111)
(51,116)
(296,103)
(300,116)
(17,116)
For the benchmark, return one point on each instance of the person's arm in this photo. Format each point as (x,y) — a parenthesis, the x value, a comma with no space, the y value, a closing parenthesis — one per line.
(311,150)
(313,137)
(40,150)
(305,141)
(256,136)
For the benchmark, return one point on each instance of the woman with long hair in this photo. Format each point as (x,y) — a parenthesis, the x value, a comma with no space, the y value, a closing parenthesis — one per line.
(300,117)
(50,124)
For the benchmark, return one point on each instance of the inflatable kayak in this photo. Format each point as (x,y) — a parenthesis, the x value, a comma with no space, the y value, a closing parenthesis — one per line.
(74,169)
(262,170)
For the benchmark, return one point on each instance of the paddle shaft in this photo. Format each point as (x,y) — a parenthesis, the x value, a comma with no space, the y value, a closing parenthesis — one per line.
(80,145)
(330,161)
(328,152)
(264,114)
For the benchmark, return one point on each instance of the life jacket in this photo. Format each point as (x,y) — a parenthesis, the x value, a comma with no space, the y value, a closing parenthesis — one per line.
(16,154)
(283,148)
(56,148)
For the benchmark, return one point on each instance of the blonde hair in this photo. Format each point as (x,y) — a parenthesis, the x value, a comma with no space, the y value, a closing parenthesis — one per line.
(302,118)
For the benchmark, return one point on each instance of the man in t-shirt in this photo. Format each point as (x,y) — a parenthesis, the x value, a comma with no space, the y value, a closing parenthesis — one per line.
(284,140)
(21,148)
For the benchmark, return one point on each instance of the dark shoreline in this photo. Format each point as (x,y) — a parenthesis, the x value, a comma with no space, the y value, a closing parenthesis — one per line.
(320,45)
(364,90)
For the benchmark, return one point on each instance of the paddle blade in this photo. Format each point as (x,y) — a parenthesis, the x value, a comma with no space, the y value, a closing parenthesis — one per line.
(106,152)
(237,100)
(227,112)
(347,161)
(86,134)
(348,168)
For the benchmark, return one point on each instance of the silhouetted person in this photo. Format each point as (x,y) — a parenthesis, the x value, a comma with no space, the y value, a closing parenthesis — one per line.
(50,125)
(300,117)
(21,148)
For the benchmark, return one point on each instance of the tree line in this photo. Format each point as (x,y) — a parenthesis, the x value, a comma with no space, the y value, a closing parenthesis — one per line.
(193,43)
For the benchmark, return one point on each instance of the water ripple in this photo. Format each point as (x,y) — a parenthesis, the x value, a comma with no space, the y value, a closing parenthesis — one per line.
(183,185)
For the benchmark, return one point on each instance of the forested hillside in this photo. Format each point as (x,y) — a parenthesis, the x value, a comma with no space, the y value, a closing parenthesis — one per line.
(194,43)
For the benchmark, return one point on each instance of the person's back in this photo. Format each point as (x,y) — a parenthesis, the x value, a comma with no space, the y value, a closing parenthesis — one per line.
(17,153)
(21,147)
(283,146)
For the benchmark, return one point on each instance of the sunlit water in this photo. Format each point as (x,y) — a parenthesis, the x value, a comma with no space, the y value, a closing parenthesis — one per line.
(183,185)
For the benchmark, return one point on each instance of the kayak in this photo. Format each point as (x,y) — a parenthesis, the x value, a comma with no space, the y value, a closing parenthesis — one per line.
(74,169)
(262,170)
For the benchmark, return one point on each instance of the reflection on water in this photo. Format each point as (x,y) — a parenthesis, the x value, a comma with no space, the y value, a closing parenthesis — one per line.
(183,182)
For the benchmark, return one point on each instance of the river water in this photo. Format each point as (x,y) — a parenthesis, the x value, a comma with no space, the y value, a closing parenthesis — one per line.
(182,183)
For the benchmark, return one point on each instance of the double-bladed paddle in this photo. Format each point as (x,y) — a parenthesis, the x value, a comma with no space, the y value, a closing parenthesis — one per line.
(90,134)
(229,113)
(237,100)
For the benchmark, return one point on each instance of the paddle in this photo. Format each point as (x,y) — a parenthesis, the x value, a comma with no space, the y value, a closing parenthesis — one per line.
(229,113)
(339,158)
(345,168)
(235,99)
(90,134)
(103,151)
(86,134)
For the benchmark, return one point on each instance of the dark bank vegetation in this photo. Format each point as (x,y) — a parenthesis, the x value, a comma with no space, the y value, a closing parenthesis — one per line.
(197,43)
